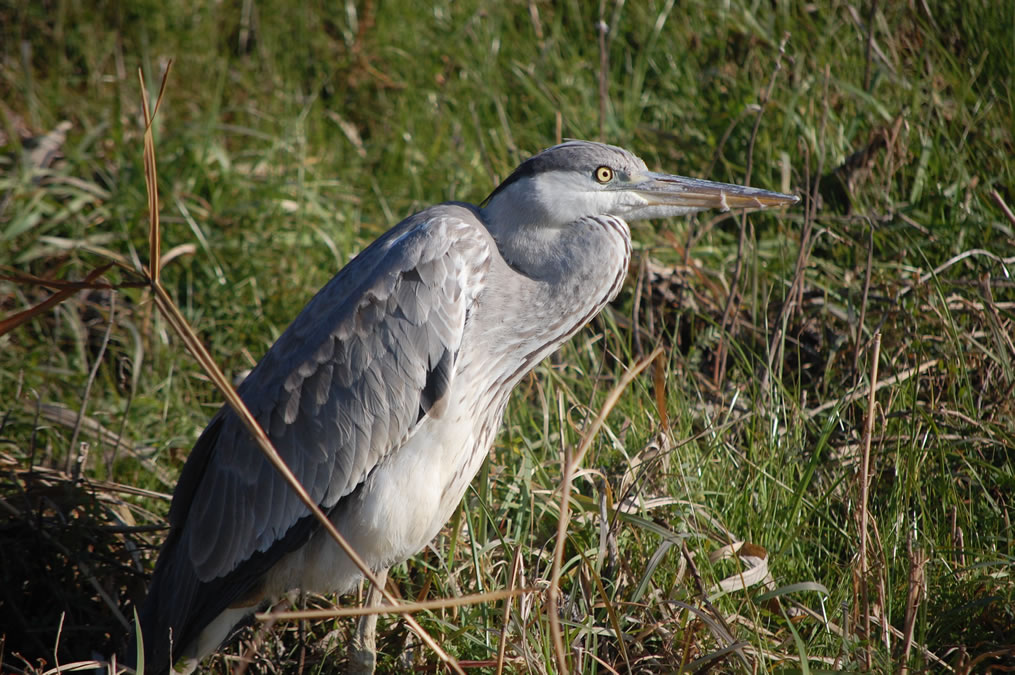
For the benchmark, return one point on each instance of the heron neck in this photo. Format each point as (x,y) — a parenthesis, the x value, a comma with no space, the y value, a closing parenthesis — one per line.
(584,251)
(555,291)
(568,274)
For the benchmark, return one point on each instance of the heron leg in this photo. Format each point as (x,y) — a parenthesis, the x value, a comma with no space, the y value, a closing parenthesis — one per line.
(363,651)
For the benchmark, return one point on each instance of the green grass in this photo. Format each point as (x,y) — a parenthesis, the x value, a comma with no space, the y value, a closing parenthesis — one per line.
(259,173)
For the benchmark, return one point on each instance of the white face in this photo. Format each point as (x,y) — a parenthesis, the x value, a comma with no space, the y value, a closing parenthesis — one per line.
(557,198)
(567,196)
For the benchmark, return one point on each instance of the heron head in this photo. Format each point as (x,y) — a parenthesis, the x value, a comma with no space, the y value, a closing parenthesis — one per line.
(580,179)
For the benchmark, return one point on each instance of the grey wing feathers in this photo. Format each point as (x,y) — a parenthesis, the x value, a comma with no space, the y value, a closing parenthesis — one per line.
(353,395)
(343,386)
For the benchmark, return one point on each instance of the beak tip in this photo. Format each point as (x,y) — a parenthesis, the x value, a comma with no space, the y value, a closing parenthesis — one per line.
(786,200)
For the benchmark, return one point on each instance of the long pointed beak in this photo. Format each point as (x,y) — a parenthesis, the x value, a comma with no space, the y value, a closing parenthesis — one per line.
(679,193)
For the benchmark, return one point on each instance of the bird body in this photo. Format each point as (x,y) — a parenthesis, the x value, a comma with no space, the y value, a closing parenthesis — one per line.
(385,394)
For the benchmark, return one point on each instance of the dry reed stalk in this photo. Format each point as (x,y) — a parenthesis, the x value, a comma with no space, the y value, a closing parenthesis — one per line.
(571,463)
(868,432)
(176,319)
(728,322)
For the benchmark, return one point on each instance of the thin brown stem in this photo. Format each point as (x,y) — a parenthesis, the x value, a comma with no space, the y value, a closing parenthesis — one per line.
(402,608)
(76,469)
(999,200)
(866,294)
(728,320)
(868,432)
(571,463)
(516,564)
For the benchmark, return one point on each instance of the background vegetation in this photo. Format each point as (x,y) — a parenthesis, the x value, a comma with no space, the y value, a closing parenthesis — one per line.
(290,136)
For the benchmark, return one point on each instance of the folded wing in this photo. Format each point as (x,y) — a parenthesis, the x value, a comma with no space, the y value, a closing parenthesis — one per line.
(346,384)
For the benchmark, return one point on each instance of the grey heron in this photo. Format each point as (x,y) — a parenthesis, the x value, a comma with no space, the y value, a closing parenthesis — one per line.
(384,395)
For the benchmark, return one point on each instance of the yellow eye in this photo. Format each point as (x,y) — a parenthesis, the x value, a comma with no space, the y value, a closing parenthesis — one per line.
(603,174)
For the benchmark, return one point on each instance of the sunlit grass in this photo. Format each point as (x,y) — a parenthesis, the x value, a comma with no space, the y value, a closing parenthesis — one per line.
(289,138)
